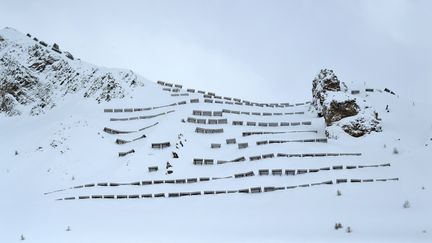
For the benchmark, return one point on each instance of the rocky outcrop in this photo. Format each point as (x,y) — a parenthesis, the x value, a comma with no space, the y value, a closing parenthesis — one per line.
(7,104)
(341,109)
(361,126)
(337,106)
(325,81)
(33,76)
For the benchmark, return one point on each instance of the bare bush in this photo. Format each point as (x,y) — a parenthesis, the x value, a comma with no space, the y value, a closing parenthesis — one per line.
(338,226)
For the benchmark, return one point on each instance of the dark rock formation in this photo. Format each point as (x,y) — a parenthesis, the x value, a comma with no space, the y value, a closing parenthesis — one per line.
(325,81)
(341,109)
(362,126)
(337,110)
(34,78)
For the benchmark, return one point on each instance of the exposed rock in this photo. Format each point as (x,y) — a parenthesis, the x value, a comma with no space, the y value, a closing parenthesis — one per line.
(341,109)
(33,78)
(325,81)
(362,126)
(7,104)
(337,106)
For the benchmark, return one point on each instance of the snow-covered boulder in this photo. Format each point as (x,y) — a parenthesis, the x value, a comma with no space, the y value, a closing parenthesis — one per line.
(338,105)
(325,81)
(7,104)
(364,122)
(340,109)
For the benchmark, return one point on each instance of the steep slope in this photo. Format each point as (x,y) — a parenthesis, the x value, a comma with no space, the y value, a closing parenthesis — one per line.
(35,76)
(241,171)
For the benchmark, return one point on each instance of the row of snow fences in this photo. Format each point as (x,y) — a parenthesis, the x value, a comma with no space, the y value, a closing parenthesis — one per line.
(122,141)
(44,44)
(254,104)
(161,145)
(194,101)
(261,172)
(211,161)
(271,124)
(209,121)
(117,110)
(114,131)
(206,113)
(141,117)
(389,91)
(265,142)
(250,190)
(366,90)
(169,84)
(317,155)
(183,94)
(199,161)
(318,140)
(175,90)
(247,123)
(261,114)
(209,95)
(372,90)
(122,154)
(207,131)
(245,134)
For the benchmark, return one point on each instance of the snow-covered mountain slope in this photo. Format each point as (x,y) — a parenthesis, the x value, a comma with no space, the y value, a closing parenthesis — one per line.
(35,76)
(245,172)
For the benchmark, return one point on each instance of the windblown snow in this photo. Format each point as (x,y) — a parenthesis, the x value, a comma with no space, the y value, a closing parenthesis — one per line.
(113,157)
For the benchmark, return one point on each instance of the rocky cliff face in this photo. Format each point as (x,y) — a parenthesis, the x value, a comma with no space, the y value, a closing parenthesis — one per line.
(35,75)
(341,109)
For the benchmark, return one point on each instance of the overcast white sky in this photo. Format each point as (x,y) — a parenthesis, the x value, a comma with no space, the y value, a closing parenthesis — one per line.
(258,50)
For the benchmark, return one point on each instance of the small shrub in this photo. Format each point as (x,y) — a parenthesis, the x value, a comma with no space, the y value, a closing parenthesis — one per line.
(22,237)
(338,226)
(395,151)
(16,152)
(406,204)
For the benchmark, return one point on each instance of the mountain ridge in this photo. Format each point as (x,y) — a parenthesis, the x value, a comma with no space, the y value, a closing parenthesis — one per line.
(36,75)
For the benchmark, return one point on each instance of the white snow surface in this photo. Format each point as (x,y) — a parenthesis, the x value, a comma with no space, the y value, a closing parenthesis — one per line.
(67,147)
